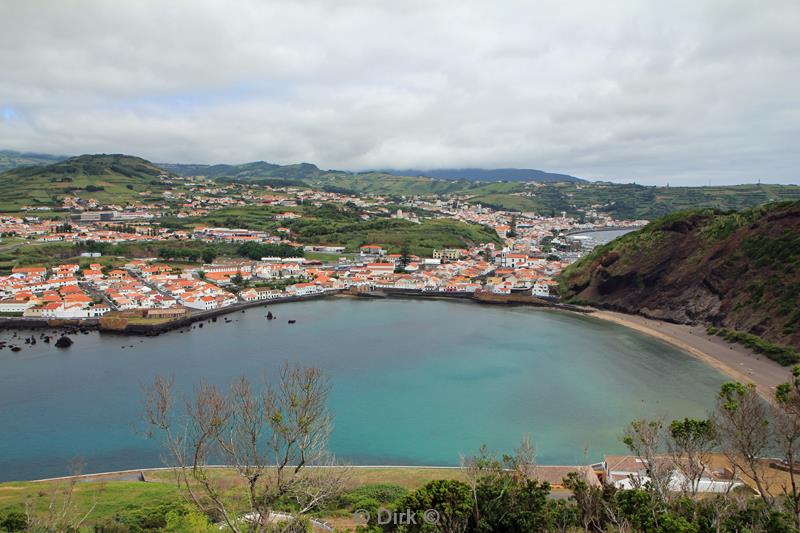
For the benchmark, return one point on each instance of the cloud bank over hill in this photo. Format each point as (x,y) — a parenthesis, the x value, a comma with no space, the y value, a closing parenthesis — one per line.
(683,92)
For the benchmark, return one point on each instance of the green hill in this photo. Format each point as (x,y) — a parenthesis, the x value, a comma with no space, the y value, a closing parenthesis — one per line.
(631,201)
(336,225)
(734,270)
(111,178)
(256,171)
(488,174)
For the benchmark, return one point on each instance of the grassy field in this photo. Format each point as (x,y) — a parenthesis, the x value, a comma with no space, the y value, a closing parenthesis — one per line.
(109,497)
(393,234)
(121,500)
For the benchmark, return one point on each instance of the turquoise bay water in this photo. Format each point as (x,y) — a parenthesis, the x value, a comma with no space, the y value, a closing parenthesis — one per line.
(413,382)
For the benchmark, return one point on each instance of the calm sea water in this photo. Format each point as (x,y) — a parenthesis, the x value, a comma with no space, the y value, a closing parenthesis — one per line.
(414,382)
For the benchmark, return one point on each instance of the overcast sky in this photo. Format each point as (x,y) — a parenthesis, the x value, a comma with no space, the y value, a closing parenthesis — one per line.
(685,92)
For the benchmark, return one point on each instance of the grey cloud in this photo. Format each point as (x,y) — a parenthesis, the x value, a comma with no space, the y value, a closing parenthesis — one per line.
(682,91)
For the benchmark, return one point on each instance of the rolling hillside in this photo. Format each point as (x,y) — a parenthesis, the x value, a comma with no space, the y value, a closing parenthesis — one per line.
(488,174)
(248,172)
(734,270)
(109,178)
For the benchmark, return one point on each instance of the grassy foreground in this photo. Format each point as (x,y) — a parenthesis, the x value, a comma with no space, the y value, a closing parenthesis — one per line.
(112,498)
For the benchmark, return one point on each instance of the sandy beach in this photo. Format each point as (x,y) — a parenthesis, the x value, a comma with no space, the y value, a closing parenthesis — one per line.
(733,360)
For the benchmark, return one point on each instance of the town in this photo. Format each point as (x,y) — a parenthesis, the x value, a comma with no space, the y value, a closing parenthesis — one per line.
(528,251)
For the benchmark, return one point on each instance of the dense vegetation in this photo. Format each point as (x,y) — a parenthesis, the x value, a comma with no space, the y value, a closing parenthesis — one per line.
(337,225)
(182,251)
(784,355)
(735,270)
(394,234)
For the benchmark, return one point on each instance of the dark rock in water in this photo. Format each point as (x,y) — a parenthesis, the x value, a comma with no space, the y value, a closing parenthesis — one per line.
(63,342)
(292,321)
(46,338)
(16,349)
(200,325)
(213,319)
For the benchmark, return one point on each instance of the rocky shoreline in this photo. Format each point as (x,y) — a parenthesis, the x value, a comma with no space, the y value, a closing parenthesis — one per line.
(124,327)
(78,325)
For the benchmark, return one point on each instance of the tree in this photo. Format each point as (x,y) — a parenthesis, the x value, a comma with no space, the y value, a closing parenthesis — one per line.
(505,494)
(405,256)
(787,432)
(513,224)
(589,502)
(442,505)
(645,438)
(742,422)
(209,255)
(267,437)
(690,444)
(63,512)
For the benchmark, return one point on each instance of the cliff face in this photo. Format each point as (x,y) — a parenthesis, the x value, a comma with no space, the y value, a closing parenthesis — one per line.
(737,270)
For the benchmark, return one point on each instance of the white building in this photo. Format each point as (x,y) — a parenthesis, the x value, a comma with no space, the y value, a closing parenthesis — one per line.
(540,289)
(629,472)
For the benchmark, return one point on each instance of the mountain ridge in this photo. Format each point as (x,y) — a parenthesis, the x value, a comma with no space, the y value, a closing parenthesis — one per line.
(10,159)
(488,174)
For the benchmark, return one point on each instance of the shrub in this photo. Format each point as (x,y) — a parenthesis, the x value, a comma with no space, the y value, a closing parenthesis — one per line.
(188,522)
(13,521)
(784,355)
(382,492)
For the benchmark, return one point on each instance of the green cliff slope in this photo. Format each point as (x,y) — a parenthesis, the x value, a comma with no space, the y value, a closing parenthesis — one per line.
(735,270)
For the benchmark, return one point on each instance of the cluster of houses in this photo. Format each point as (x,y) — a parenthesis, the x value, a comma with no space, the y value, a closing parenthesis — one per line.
(127,292)
(178,288)
(33,292)
(143,284)
(481,268)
